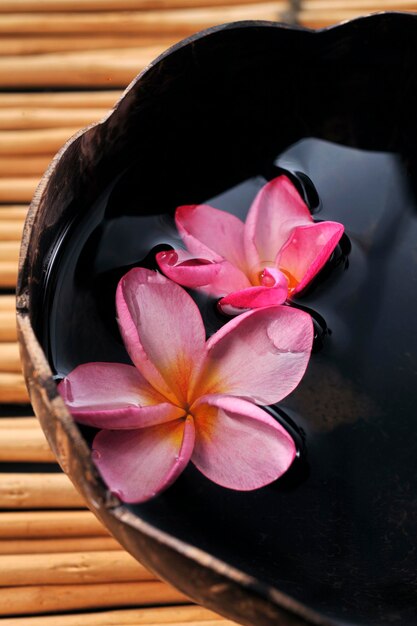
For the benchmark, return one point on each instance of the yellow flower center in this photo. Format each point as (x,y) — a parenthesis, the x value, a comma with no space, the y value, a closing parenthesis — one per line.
(259,276)
(292,281)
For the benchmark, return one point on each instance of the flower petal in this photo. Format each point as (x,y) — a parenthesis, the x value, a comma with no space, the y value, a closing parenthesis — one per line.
(307,250)
(136,465)
(215,278)
(162,330)
(114,395)
(276,210)
(184,269)
(261,355)
(238,445)
(273,293)
(203,229)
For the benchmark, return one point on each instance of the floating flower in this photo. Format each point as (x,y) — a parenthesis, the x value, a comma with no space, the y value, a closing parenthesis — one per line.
(187,399)
(274,255)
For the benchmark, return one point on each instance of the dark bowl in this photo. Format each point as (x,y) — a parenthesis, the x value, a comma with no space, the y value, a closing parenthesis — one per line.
(333,542)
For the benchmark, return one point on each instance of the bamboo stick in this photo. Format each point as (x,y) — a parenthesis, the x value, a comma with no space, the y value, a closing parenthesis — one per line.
(11,230)
(178,21)
(17,166)
(31,118)
(19,423)
(8,313)
(50,546)
(77,568)
(215,621)
(8,330)
(38,141)
(28,445)
(8,272)
(48,598)
(25,45)
(191,615)
(8,302)
(112,5)
(37,524)
(13,388)
(81,99)
(89,69)
(9,358)
(321,19)
(362,5)
(17,189)
(38,491)
(9,251)
(13,212)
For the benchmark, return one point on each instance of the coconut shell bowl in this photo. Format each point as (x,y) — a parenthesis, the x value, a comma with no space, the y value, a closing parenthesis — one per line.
(211,121)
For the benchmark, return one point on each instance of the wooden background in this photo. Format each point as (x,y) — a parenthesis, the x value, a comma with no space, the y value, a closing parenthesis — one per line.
(63,64)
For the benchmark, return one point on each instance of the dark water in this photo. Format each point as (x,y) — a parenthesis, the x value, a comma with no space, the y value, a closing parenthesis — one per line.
(338,532)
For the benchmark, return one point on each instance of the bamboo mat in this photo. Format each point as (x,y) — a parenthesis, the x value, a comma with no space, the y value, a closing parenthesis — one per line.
(55,557)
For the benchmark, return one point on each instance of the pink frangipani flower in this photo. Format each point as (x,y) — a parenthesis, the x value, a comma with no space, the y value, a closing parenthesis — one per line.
(186,398)
(271,257)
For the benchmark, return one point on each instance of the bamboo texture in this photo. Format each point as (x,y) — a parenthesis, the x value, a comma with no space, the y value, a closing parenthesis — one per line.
(8,330)
(24,445)
(34,141)
(18,423)
(317,18)
(77,568)
(17,190)
(13,212)
(174,615)
(362,5)
(8,270)
(215,621)
(61,100)
(44,6)
(47,524)
(321,19)
(52,546)
(76,99)
(31,118)
(9,357)
(98,68)
(176,22)
(38,599)
(11,230)
(28,44)
(38,491)
(30,166)
(9,251)
(13,388)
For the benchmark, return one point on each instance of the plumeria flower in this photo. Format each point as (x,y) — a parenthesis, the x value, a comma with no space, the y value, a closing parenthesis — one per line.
(271,257)
(187,399)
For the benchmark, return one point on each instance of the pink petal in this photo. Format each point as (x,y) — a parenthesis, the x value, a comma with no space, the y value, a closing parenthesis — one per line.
(276,210)
(261,355)
(238,445)
(184,269)
(162,330)
(307,250)
(273,293)
(136,465)
(213,277)
(204,229)
(114,395)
